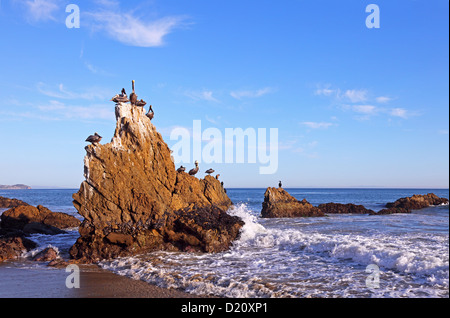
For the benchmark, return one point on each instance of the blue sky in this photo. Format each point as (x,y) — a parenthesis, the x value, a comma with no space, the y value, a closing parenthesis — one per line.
(354,107)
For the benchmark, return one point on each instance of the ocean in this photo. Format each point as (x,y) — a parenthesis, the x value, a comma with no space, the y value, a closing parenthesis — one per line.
(356,256)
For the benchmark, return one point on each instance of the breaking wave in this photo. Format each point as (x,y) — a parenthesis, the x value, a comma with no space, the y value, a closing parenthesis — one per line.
(271,259)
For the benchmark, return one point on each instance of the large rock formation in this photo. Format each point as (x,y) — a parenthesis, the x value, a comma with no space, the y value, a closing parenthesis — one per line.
(133,200)
(278,204)
(340,208)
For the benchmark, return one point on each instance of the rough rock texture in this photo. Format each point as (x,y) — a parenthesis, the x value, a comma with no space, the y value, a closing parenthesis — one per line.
(10,203)
(12,247)
(30,219)
(339,208)
(133,200)
(417,202)
(278,203)
(392,211)
(46,255)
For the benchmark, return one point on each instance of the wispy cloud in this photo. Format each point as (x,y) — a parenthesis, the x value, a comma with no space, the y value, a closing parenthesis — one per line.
(365,109)
(351,95)
(63,111)
(352,99)
(383,99)
(316,125)
(62,93)
(251,94)
(205,95)
(40,10)
(129,29)
(399,112)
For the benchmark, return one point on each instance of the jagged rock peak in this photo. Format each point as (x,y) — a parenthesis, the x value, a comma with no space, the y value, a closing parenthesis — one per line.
(133,200)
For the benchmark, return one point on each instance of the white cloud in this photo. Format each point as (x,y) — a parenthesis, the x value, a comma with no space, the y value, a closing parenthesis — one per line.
(383,99)
(41,10)
(325,91)
(353,95)
(356,96)
(131,30)
(62,111)
(202,95)
(317,125)
(399,112)
(62,93)
(365,109)
(252,94)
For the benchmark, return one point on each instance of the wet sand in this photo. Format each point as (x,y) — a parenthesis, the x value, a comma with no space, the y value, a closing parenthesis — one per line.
(30,281)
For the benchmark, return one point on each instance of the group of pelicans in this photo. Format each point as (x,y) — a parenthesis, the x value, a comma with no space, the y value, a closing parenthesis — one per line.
(194,171)
(123,98)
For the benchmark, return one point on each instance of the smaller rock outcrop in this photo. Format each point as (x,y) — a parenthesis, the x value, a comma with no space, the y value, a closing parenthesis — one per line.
(417,202)
(48,254)
(408,204)
(6,203)
(30,220)
(13,247)
(340,208)
(278,203)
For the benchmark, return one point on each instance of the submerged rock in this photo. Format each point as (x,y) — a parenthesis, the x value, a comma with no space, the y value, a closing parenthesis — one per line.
(339,208)
(416,202)
(133,200)
(278,203)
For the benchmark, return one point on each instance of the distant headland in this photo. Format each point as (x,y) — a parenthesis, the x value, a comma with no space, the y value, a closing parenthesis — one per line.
(15,187)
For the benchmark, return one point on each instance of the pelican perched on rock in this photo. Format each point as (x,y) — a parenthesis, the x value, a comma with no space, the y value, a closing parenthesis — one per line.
(150,113)
(181,169)
(120,99)
(194,171)
(94,139)
(133,96)
(141,103)
(209,171)
(280,185)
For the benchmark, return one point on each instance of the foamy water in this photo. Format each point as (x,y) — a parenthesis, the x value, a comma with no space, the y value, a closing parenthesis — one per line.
(297,258)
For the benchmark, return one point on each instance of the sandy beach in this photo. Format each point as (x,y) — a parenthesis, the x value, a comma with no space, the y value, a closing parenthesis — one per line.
(17,281)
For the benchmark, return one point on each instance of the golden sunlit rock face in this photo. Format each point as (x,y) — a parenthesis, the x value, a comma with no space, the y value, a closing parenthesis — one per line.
(133,200)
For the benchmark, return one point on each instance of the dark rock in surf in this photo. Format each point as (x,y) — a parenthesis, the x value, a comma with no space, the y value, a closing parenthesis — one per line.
(339,208)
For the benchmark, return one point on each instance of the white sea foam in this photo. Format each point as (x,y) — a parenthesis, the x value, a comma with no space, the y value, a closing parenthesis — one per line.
(279,261)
